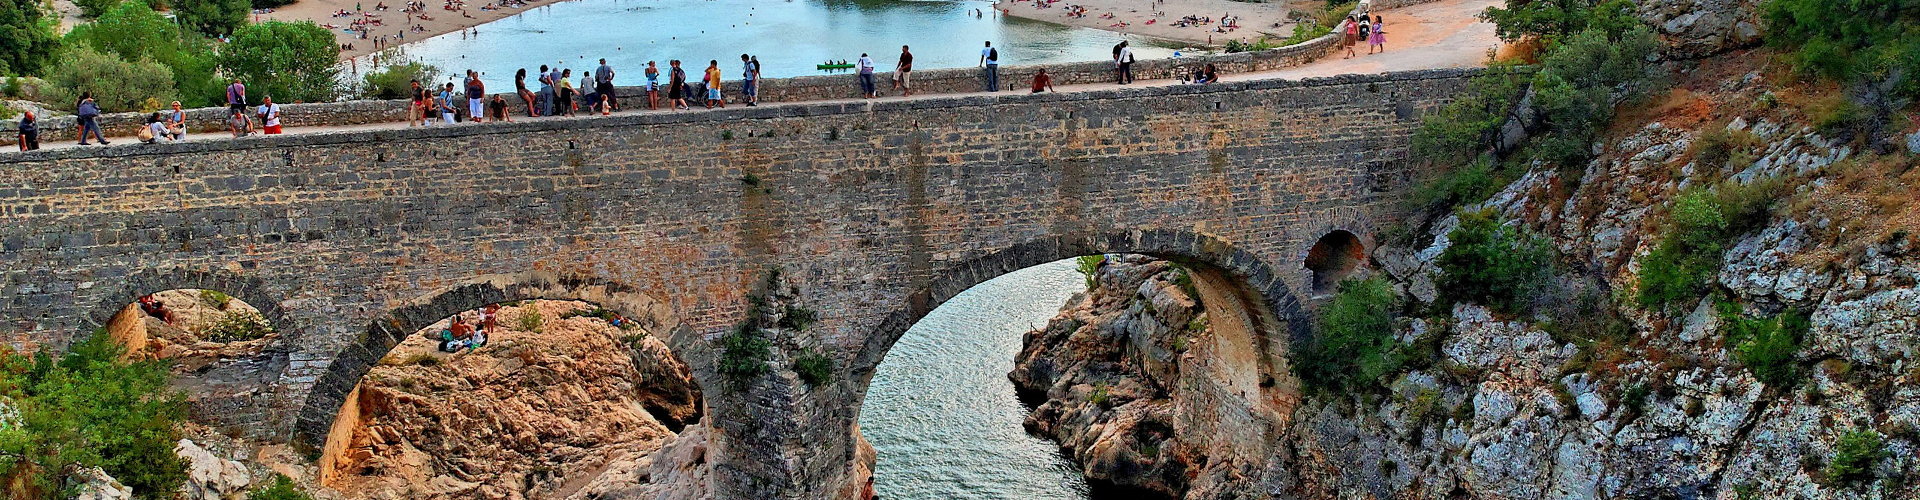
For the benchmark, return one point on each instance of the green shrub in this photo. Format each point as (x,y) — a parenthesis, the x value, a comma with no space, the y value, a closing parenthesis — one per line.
(1716,147)
(1767,346)
(31,39)
(12,87)
(213,17)
(1355,345)
(1854,454)
(814,368)
(288,61)
(743,354)
(1864,40)
(117,85)
(1423,406)
(281,489)
(1579,84)
(530,320)
(1303,33)
(1101,395)
(1551,21)
(87,409)
(1492,263)
(236,326)
(798,318)
(1089,266)
(215,298)
(1463,128)
(394,80)
(94,8)
(1682,266)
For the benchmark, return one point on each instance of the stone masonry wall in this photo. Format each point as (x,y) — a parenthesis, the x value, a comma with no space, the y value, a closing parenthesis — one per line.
(877,210)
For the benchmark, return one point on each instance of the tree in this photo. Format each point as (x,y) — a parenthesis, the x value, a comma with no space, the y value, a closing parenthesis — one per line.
(212,17)
(116,84)
(1354,345)
(94,8)
(1492,263)
(27,40)
(88,409)
(287,61)
(1550,20)
(133,31)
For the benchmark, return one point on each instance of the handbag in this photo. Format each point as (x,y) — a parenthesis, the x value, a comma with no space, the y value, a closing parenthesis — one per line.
(145,133)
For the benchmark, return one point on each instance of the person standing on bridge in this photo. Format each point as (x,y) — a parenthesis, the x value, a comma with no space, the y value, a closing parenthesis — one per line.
(867,88)
(546,92)
(653,86)
(476,97)
(417,108)
(713,84)
(603,85)
(903,72)
(990,61)
(677,85)
(1126,64)
(269,116)
(237,97)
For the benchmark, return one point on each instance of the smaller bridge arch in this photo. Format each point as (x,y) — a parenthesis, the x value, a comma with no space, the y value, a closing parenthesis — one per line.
(251,290)
(316,416)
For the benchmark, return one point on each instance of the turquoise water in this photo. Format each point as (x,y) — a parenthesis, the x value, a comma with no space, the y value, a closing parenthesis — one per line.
(942,413)
(789,36)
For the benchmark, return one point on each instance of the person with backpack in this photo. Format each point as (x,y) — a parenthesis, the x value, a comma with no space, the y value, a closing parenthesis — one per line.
(603,86)
(88,113)
(990,61)
(153,130)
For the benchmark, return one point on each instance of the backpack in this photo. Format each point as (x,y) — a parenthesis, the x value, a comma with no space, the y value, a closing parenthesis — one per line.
(993,54)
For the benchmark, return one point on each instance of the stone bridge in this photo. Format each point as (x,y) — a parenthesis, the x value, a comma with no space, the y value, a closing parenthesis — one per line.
(877,211)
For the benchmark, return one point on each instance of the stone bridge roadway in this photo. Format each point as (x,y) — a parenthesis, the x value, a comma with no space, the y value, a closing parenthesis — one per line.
(877,211)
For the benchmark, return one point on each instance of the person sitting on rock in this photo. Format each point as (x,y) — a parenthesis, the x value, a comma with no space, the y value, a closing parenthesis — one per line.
(154,308)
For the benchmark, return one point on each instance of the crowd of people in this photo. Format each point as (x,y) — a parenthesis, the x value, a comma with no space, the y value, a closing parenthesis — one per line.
(557,94)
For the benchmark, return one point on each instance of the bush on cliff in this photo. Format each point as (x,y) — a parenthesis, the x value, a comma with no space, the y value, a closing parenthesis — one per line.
(87,409)
(1854,454)
(282,488)
(1701,224)
(1492,263)
(1354,345)
(1767,346)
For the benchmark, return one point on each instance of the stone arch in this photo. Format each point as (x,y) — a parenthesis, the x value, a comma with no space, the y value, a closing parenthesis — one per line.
(1331,258)
(1279,310)
(330,391)
(248,289)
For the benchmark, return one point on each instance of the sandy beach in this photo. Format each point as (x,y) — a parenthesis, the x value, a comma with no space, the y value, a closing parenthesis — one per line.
(393,21)
(1161,19)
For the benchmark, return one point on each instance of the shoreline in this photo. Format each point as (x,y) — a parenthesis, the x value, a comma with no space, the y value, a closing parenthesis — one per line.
(320,12)
(1159,21)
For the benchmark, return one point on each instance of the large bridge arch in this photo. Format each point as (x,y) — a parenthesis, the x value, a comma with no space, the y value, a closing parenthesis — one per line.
(316,417)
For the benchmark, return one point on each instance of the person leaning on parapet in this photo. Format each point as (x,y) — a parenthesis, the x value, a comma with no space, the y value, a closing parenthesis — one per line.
(239,124)
(29,132)
(868,89)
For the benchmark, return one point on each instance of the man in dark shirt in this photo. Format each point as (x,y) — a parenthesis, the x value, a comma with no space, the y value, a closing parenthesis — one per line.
(903,72)
(29,132)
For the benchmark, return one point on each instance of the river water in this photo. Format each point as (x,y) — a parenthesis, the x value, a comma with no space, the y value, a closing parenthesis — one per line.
(789,36)
(941,411)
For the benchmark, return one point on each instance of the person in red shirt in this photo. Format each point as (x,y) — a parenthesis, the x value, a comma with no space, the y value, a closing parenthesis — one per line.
(1042,82)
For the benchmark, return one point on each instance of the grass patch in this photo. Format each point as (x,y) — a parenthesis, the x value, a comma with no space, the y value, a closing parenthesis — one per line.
(814,368)
(235,326)
(1089,267)
(798,318)
(531,320)
(282,488)
(215,298)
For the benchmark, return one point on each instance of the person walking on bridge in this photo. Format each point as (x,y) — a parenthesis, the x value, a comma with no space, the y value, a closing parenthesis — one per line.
(677,85)
(749,79)
(990,62)
(903,72)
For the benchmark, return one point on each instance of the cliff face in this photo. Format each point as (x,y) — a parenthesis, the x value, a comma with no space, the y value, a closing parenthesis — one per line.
(1514,406)
(572,408)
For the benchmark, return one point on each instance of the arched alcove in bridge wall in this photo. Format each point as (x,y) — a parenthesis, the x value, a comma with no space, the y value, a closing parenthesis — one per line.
(317,416)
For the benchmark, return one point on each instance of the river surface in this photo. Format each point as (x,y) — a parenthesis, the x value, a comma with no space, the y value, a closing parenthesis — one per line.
(789,36)
(941,411)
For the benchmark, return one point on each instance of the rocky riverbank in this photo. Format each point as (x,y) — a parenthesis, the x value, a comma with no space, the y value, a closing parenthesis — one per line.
(1791,377)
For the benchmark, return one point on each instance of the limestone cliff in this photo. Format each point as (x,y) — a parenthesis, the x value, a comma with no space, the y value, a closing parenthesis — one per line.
(1521,406)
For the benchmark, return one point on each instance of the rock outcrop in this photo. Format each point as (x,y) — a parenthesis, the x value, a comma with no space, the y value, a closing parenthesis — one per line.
(1521,406)
(556,408)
